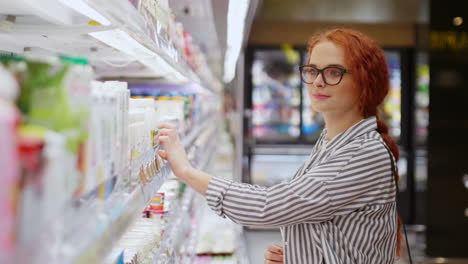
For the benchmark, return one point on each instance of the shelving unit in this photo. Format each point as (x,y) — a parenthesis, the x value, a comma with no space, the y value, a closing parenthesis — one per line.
(98,223)
(178,211)
(118,47)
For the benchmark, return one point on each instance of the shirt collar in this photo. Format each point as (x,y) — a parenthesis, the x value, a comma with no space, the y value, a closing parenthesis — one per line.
(364,126)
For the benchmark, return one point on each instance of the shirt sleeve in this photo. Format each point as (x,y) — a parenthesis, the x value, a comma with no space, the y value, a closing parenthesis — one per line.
(324,190)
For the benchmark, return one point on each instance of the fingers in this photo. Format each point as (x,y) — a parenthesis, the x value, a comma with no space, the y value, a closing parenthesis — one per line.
(167,125)
(169,133)
(276,258)
(162,139)
(162,154)
(275,248)
(274,254)
(166,131)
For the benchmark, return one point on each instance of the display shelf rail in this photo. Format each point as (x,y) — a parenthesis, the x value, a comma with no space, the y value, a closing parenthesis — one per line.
(97,35)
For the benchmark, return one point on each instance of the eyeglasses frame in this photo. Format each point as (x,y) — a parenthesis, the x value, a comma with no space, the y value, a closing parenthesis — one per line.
(320,71)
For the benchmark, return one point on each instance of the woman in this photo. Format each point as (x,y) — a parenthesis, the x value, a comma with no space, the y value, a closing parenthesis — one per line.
(340,205)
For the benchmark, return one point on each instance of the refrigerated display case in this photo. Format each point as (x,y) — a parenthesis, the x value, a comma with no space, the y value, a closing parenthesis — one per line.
(275,96)
(422,98)
(421,119)
(281,107)
(421,127)
(392,104)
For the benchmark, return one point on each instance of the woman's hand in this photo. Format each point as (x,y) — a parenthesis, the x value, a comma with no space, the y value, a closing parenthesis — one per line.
(174,150)
(274,254)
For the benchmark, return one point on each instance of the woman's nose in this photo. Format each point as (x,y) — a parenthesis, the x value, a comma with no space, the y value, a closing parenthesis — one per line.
(319,82)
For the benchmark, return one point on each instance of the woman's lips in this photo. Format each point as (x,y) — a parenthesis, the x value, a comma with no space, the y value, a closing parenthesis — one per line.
(321,96)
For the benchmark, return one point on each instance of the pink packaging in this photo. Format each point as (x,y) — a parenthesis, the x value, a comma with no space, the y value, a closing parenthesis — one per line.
(9,164)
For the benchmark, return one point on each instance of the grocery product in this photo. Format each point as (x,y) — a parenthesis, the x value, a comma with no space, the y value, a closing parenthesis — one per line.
(9,159)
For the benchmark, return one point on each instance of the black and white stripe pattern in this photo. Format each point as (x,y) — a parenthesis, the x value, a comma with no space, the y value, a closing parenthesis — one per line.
(339,207)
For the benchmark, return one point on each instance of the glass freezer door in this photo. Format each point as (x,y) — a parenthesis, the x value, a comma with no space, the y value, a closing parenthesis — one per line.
(275,96)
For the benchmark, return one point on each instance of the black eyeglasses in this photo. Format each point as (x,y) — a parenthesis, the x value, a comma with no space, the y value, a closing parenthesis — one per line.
(332,75)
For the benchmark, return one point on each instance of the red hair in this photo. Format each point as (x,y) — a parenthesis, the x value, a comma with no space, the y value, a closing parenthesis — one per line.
(367,63)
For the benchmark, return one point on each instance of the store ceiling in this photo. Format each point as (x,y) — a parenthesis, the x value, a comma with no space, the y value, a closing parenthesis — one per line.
(206,20)
(355,11)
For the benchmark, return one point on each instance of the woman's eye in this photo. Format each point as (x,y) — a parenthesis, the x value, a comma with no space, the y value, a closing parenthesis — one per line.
(335,72)
(312,71)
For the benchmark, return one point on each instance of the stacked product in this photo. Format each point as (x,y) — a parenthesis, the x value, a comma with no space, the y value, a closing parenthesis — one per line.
(179,104)
(144,241)
(66,138)
(9,155)
(47,160)
(171,36)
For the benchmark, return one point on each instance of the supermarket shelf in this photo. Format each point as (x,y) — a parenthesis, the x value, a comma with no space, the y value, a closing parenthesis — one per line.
(196,132)
(165,253)
(87,234)
(118,46)
(48,10)
(188,248)
(124,209)
(176,216)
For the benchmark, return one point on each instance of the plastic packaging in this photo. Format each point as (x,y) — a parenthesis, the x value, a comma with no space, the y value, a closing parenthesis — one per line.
(9,162)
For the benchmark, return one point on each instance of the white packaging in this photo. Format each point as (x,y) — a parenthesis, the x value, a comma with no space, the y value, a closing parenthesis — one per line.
(169,111)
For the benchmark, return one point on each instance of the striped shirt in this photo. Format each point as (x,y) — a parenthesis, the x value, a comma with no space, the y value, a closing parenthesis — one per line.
(338,208)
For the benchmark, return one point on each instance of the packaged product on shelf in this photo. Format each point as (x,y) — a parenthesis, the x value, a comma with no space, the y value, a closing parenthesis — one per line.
(55,113)
(71,139)
(178,104)
(170,109)
(53,97)
(156,206)
(9,162)
(176,31)
(77,83)
(119,91)
(158,17)
(142,130)
(107,145)
(102,130)
(139,243)
(55,191)
(147,106)
(143,242)
(30,198)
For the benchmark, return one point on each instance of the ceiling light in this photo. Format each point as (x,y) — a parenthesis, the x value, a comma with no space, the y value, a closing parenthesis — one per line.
(457,21)
(237,13)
